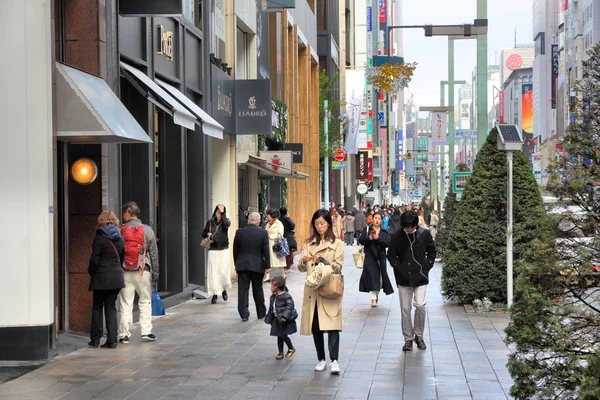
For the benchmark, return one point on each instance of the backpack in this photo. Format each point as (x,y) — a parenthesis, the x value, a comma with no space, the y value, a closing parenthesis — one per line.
(135,247)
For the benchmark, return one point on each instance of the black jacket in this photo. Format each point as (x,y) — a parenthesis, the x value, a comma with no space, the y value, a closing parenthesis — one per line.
(411,267)
(282,306)
(105,264)
(374,276)
(251,249)
(220,232)
(288,232)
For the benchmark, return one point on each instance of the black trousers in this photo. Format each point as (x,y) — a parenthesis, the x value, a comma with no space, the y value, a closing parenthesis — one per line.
(244,280)
(333,339)
(104,300)
(281,339)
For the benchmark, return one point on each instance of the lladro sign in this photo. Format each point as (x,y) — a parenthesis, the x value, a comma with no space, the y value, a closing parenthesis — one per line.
(243,107)
(253,106)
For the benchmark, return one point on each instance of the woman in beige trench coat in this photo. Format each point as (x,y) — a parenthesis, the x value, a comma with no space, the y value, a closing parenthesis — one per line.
(319,314)
(276,230)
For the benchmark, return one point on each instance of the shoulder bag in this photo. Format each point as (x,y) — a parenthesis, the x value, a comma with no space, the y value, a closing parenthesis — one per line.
(359,257)
(334,287)
(206,242)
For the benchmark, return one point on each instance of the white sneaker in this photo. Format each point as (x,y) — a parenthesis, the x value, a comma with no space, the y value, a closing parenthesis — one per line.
(321,365)
(335,368)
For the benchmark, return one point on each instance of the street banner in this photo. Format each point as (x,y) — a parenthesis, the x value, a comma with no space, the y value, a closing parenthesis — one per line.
(501,101)
(527,118)
(433,153)
(438,129)
(355,90)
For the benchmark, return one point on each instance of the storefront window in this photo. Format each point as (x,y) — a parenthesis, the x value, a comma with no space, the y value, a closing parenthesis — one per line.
(189,10)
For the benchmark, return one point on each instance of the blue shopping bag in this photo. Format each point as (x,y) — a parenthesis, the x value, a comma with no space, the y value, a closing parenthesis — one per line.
(158,308)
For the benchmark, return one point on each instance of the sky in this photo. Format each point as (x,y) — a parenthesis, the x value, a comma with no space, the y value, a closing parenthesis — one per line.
(432,53)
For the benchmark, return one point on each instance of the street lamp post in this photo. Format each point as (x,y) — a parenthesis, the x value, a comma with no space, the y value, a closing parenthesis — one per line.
(509,140)
(463,31)
(451,124)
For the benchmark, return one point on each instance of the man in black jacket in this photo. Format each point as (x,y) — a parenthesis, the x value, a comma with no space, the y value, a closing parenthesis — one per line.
(252,260)
(412,255)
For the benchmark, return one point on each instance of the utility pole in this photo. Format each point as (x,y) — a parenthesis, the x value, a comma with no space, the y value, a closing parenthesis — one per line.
(326,161)
(482,67)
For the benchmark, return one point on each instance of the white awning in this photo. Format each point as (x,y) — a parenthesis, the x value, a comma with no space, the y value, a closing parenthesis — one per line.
(266,167)
(88,111)
(210,127)
(181,116)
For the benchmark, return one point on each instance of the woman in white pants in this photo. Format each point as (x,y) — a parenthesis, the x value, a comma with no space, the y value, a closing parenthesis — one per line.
(218,274)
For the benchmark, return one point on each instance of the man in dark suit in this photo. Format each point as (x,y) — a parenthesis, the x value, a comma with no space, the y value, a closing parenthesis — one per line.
(252,260)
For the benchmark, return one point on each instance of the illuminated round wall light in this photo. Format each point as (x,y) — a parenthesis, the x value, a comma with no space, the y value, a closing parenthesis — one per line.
(84,171)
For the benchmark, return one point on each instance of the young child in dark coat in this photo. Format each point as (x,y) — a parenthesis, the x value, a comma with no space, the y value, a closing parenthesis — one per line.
(282,316)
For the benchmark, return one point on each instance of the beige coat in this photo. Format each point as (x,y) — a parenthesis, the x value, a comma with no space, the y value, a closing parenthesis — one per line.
(330,310)
(275,231)
(337,225)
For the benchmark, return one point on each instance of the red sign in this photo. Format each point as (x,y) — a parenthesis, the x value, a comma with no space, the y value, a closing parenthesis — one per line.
(514,61)
(339,154)
(382,11)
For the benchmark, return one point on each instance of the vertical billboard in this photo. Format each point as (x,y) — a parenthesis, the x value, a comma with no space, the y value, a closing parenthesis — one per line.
(400,151)
(438,129)
(501,104)
(554,71)
(362,165)
(527,118)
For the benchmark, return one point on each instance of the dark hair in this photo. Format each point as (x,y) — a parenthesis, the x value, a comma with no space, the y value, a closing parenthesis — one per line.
(278,281)
(216,209)
(409,219)
(314,236)
(272,212)
(283,211)
(132,209)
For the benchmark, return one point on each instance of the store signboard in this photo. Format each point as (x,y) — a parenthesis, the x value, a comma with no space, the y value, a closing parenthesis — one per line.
(151,8)
(459,181)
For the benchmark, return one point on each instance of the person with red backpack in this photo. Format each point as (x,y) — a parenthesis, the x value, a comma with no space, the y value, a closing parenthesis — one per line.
(141,271)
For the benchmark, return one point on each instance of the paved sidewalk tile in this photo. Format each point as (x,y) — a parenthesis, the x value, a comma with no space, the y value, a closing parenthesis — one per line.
(205,351)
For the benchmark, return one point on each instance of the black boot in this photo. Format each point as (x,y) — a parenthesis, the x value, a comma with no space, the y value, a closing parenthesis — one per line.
(214,299)
(225,297)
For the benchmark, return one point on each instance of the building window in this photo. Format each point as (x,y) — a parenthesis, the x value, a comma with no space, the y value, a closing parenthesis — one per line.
(241,65)
(198,13)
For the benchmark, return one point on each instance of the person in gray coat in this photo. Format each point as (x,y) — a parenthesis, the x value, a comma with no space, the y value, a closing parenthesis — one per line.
(348,225)
(360,224)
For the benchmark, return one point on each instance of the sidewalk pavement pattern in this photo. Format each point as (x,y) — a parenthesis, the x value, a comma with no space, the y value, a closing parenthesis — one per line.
(205,351)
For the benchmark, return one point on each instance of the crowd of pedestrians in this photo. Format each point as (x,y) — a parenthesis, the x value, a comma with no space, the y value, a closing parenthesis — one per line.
(125,262)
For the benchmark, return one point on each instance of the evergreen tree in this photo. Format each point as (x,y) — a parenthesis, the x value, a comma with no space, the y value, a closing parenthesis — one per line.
(475,253)
(555,319)
(450,207)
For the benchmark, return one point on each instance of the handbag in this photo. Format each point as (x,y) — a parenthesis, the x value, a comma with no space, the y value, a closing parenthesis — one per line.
(334,287)
(158,308)
(206,242)
(359,258)
(280,247)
